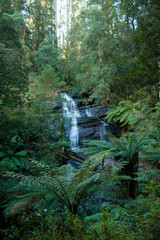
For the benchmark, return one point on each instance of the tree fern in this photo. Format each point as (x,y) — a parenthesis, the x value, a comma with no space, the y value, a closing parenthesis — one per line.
(126,149)
(126,112)
(95,146)
(137,116)
(69,191)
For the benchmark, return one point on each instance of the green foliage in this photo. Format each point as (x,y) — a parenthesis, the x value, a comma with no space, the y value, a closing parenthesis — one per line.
(125,149)
(137,116)
(95,146)
(94,66)
(111,55)
(109,52)
(46,84)
(134,219)
(12,76)
(40,21)
(150,175)
(14,163)
(47,53)
(67,186)
(125,113)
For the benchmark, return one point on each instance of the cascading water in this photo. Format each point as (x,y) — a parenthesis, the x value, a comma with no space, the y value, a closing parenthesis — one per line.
(70,110)
(102,130)
(88,128)
(89,113)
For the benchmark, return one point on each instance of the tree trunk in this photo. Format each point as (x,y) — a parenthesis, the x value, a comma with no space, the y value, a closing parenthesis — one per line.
(133,169)
(119,190)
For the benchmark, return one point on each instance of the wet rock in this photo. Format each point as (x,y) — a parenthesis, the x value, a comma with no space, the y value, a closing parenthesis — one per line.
(87,122)
(100,111)
(90,120)
(83,103)
(79,102)
(85,133)
(56,105)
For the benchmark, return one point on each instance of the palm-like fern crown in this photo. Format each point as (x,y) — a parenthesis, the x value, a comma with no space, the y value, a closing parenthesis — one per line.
(66,186)
(142,118)
(62,186)
(124,147)
(133,144)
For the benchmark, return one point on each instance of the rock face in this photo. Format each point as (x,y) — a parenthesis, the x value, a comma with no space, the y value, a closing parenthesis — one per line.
(88,122)
(91,123)
(89,119)
(100,111)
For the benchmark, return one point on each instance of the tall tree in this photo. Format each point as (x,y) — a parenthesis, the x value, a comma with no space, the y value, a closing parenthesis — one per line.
(40,20)
(112,53)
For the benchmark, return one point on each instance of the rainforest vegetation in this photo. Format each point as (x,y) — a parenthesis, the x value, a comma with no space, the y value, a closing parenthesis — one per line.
(110,56)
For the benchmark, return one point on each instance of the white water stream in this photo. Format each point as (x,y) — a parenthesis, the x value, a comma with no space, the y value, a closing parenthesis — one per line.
(70,110)
(102,130)
(89,113)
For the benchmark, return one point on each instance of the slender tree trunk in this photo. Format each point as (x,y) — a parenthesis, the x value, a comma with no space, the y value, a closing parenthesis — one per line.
(133,168)
(127,194)
(119,190)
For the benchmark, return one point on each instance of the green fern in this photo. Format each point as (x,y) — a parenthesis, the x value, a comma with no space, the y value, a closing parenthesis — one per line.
(68,189)
(126,112)
(126,149)
(95,146)
(149,175)
(94,218)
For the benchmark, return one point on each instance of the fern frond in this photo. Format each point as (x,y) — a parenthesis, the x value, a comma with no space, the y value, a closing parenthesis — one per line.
(95,217)
(149,175)
(95,146)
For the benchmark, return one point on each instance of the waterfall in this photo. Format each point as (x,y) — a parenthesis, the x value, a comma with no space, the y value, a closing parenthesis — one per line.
(102,131)
(70,110)
(89,113)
